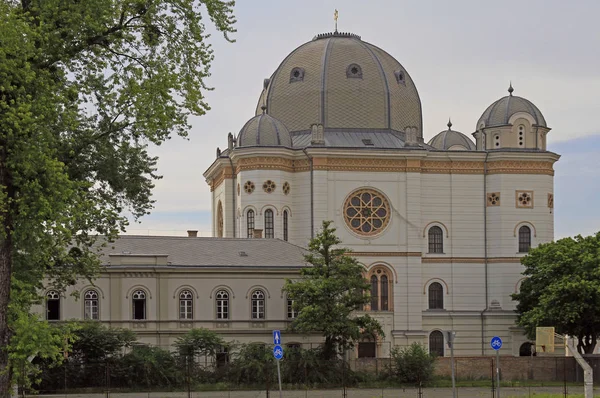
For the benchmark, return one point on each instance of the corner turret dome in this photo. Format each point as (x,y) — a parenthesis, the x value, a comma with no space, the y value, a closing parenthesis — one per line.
(501,111)
(343,83)
(264,130)
(451,140)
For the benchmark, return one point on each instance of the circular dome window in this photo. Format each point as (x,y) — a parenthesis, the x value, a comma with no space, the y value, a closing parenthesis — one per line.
(366,212)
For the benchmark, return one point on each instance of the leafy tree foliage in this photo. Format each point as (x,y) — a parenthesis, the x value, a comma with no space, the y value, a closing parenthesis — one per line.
(562,289)
(85,87)
(412,364)
(329,292)
(199,343)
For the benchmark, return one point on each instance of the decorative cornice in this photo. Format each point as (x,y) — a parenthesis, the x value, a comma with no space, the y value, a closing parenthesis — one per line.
(385,254)
(469,260)
(521,167)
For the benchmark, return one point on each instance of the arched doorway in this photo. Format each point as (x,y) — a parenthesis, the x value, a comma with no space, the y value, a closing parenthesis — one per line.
(526,349)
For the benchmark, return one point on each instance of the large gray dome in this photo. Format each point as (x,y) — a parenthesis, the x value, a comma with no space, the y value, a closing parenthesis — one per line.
(451,140)
(500,112)
(264,130)
(342,82)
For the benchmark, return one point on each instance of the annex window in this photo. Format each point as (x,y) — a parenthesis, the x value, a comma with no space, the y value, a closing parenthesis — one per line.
(524,239)
(367,349)
(380,289)
(222,301)
(138,299)
(285,225)
(436,240)
(258,304)
(90,305)
(269,227)
(250,223)
(436,343)
(52,305)
(186,299)
(291,312)
(436,296)
(222,356)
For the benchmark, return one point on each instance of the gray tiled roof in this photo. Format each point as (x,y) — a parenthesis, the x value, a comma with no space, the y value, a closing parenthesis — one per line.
(500,112)
(451,138)
(348,138)
(264,130)
(209,252)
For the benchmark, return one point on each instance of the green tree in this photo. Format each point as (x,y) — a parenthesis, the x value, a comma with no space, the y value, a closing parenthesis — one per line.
(329,292)
(85,87)
(199,343)
(562,289)
(412,364)
(95,342)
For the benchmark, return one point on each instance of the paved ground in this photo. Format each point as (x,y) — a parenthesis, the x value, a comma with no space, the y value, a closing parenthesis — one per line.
(465,392)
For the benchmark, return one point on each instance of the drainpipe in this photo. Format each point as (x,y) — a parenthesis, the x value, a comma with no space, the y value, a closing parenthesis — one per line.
(485,243)
(312,196)
(233,179)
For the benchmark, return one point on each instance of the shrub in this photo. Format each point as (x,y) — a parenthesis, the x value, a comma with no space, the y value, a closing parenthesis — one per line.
(412,364)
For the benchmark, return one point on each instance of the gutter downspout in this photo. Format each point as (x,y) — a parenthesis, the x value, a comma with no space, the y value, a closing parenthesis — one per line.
(485,244)
(234,193)
(312,196)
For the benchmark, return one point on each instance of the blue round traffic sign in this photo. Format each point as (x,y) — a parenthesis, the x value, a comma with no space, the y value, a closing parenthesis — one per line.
(278,352)
(496,343)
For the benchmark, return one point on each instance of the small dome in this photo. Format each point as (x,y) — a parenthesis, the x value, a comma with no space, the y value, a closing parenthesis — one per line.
(500,112)
(452,140)
(264,130)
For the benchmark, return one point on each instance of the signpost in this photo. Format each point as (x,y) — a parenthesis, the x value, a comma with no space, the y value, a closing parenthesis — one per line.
(496,344)
(278,354)
(450,334)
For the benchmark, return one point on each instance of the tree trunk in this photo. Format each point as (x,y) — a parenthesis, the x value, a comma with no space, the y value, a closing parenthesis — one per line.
(5,275)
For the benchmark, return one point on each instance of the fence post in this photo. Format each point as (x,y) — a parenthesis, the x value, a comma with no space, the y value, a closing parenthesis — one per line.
(492,375)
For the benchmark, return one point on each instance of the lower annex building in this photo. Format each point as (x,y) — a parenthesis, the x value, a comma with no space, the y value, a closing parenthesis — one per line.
(337,134)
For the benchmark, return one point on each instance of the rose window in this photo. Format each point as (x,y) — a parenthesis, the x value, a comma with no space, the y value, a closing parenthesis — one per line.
(269,186)
(367,212)
(524,199)
(249,187)
(286,187)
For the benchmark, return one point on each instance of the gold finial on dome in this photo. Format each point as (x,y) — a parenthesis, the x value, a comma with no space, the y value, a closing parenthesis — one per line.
(335,17)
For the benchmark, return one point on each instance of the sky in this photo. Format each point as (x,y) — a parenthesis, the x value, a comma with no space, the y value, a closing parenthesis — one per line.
(460,54)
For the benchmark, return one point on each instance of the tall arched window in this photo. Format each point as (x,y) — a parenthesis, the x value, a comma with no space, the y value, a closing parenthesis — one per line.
(285,225)
(53,306)
(269,227)
(138,300)
(222,302)
(381,288)
(436,240)
(524,239)
(220,220)
(250,223)
(90,305)
(186,301)
(374,293)
(436,343)
(384,293)
(258,304)
(436,296)
(291,312)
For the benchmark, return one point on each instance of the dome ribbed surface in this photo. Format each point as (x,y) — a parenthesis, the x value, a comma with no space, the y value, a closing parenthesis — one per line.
(500,112)
(264,130)
(452,140)
(340,81)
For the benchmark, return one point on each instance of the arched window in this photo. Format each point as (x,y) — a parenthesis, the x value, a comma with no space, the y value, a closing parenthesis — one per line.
(436,296)
(291,312)
(436,240)
(90,305)
(186,299)
(250,223)
(524,239)
(285,225)
(297,75)
(269,228)
(380,289)
(222,301)
(220,220)
(258,304)
(436,343)
(374,293)
(53,306)
(222,356)
(354,71)
(384,293)
(138,299)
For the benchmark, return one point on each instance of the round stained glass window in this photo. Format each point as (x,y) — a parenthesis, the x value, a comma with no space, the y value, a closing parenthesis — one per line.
(366,212)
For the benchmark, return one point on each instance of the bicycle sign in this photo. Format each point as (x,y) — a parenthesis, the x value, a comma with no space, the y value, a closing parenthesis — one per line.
(496,343)
(278,352)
